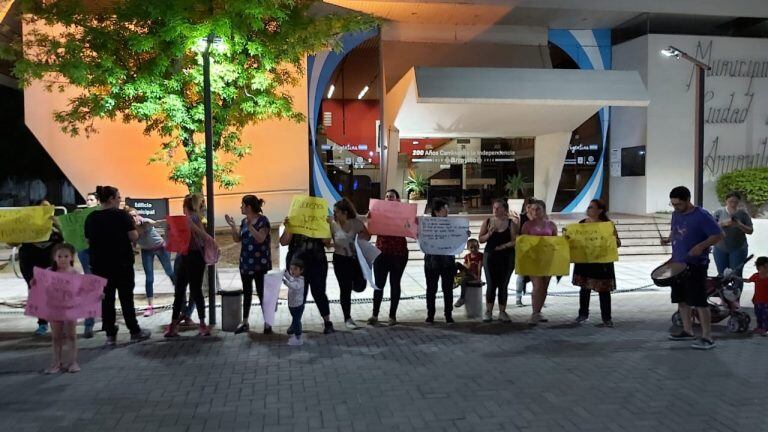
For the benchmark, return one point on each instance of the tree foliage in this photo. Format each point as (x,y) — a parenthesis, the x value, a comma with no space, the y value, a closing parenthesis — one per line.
(140,60)
(752,183)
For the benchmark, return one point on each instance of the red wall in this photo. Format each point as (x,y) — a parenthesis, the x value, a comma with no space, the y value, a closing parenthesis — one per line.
(353,122)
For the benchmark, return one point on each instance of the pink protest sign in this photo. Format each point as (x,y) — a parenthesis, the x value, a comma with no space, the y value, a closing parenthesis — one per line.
(57,296)
(392,218)
(178,234)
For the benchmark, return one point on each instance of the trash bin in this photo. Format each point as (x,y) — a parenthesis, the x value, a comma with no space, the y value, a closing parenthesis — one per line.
(231,309)
(473,299)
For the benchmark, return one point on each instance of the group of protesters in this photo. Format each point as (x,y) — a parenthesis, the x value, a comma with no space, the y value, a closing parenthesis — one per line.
(113,231)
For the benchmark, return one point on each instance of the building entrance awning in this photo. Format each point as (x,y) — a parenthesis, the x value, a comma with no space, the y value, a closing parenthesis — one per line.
(497,102)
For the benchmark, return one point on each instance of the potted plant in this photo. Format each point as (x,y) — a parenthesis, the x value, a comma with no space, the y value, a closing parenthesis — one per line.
(514,186)
(416,187)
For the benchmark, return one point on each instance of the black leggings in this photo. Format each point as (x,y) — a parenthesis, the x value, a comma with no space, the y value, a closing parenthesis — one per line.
(432,276)
(498,269)
(315,274)
(394,265)
(248,282)
(348,274)
(605,304)
(31,256)
(191,271)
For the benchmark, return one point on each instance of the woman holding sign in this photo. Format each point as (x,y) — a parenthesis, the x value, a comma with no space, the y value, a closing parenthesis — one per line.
(498,232)
(392,262)
(439,268)
(346,228)
(538,225)
(255,253)
(597,277)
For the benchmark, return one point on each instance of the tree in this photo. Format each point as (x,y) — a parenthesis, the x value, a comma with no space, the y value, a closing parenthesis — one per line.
(140,60)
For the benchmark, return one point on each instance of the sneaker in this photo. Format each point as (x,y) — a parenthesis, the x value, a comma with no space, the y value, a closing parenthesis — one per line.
(41,329)
(111,342)
(759,331)
(373,320)
(88,332)
(487,317)
(542,318)
(52,370)
(682,336)
(519,303)
(430,320)
(242,328)
(703,344)
(295,341)
(534,319)
(350,323)
(605,324)
(503,317)
(392,321)
(459,303)
(328,328)
(267,329)
(149,311)
(580,319)
(73,368)
(204,330)
(140,335)
(449,319)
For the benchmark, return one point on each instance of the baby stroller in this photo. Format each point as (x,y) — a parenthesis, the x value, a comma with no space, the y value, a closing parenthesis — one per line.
(723,293)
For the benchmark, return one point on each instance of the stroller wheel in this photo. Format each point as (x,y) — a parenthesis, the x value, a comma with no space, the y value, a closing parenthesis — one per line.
(676,320)
(734,324)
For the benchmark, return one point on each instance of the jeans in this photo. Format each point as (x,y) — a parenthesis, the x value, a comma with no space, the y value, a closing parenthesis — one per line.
(393,265)
(432,276)
(120,280)
(315,274)
(761,315)
(296,313)
(85,260)
(520,287)
(148,262)
(190,273)
(605,304)
(248,282)
(733,260)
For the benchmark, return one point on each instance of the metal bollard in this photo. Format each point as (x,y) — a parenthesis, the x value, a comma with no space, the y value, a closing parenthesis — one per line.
(473,299)
(231,309)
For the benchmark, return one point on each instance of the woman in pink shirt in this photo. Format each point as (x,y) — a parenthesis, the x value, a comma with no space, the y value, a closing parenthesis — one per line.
(538,225)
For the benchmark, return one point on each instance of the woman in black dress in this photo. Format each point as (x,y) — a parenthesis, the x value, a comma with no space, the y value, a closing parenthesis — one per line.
(598,277)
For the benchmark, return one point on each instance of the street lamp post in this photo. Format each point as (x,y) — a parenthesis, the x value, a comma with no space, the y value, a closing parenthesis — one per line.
(209,181)
(701,68)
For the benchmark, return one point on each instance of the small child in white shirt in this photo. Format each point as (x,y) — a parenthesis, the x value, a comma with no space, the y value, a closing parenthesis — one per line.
(294,280)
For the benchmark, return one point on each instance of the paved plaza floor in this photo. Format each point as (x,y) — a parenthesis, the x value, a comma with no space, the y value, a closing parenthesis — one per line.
(468,376)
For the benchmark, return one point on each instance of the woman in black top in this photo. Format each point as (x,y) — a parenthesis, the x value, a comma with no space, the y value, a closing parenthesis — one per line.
(311,251)
(499,234)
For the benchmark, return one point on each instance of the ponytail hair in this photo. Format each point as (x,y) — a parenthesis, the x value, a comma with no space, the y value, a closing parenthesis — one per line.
(105,193)
(601,206)
(254,202)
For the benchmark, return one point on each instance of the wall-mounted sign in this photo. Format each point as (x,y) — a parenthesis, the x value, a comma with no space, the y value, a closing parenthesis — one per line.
(152,208)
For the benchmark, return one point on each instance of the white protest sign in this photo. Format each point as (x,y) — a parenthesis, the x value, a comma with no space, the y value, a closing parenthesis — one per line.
(443,235)
(366,255)
(272,283)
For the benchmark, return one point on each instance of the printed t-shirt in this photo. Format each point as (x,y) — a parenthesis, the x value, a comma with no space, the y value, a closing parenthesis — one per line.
(688,230)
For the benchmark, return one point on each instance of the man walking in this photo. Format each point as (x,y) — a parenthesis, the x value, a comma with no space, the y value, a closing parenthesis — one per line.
(693,232)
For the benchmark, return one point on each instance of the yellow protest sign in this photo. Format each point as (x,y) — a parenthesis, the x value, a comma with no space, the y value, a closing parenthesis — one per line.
(592,242)
(25,224)
(309,216)
(541,256)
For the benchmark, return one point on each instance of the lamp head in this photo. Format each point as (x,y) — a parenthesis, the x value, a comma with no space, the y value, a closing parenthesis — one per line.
(671,51)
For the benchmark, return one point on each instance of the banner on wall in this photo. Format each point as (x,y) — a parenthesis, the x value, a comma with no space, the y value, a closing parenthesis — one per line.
(443,235)
(309,216)
(592,242)
(58,296)
(25,224)
(542,256)
(392,218)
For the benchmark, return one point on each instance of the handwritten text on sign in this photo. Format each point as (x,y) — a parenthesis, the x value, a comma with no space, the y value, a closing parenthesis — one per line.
(443,235)
(541,256)
(592,242)
(73,227)
(309,216)
(25,224)
(392,218)
(57,296)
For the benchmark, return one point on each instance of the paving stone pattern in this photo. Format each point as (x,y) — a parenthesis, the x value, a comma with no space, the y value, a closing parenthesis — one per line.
(411,377)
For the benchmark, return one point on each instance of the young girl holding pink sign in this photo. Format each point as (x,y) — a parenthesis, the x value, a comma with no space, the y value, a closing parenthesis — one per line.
(63,331)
